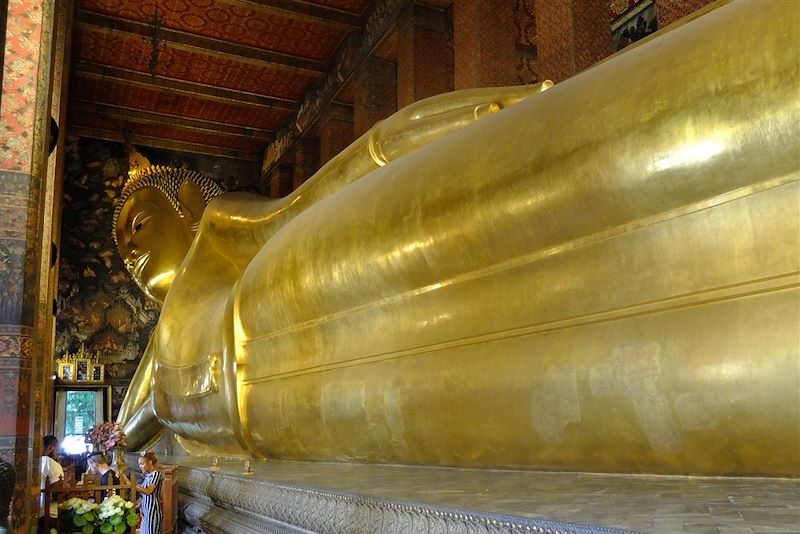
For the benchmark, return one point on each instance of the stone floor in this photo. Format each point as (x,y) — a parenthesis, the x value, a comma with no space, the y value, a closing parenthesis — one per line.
(654,504)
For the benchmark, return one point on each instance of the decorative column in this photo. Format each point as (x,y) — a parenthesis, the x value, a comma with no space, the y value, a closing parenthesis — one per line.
(280,179)
(306,160)
(572,35)
(335,131)
(485,39)
(424,54)
(554,39)
(24,127)
(375,94)
(671,10)
(592,23)
(52,192)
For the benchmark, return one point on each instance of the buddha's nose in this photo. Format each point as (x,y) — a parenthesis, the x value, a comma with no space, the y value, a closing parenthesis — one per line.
(130,260)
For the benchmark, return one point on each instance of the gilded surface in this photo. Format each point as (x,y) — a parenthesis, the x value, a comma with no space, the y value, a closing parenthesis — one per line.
(602,277)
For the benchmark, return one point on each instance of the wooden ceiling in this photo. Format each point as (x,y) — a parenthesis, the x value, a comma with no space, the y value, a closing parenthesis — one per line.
(228,75)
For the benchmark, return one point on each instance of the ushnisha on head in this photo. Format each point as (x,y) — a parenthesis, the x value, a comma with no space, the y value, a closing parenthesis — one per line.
(156,218)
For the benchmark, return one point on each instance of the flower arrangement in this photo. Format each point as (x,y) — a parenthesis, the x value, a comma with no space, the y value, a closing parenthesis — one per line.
(113,515)
(106,436)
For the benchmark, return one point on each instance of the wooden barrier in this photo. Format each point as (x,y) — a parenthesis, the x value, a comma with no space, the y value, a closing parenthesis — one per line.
(169,498)
(60,491)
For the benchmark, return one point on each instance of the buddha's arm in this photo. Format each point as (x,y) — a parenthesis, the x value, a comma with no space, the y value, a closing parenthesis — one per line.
(255,219)
(139,388)
(136,413)
(142,427)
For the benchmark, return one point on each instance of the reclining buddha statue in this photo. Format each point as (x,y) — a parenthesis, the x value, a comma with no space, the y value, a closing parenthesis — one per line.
(602,276)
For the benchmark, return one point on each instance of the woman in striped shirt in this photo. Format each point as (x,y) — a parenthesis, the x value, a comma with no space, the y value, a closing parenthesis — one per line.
(150,491)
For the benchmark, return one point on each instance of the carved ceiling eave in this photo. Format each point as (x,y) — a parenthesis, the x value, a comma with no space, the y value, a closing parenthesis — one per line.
(316,12)
(205,45)
(217,80)
(152,117)
(95,70)
(379,19)
(167,144)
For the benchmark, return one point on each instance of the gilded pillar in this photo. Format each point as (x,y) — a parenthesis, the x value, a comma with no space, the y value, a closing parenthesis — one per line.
(485,45)
(424,54)
(375,94)
(24,126)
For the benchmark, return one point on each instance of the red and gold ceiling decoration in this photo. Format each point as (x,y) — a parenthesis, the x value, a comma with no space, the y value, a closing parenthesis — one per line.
(227,75)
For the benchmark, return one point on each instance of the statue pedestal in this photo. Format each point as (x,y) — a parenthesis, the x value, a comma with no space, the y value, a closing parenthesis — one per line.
(296,497)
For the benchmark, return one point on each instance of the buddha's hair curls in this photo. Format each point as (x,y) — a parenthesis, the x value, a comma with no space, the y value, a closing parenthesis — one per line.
(168,180)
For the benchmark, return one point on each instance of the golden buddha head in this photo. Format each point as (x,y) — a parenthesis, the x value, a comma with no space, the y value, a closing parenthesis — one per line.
(156,218)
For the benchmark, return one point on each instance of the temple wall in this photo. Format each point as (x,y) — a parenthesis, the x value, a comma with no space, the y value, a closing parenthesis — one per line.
(98,303)
(670,11)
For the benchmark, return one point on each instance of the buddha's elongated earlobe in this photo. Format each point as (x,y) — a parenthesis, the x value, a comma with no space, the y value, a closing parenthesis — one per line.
(192,204)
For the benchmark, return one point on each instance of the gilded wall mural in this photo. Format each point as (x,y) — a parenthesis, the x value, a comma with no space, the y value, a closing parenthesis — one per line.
(98,303)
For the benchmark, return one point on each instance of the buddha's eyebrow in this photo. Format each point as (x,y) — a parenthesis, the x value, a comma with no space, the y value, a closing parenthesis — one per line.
(140,216)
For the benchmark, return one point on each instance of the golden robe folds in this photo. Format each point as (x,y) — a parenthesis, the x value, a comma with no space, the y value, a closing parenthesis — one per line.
(603,277)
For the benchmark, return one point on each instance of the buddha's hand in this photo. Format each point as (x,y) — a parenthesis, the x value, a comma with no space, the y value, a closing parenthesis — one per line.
(427,120)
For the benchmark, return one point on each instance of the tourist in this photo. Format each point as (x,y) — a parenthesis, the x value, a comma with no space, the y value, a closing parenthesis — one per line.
(98,465)
(49,470)
(150,490)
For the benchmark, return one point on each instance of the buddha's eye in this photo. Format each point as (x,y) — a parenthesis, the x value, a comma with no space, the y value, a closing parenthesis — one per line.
(138,222)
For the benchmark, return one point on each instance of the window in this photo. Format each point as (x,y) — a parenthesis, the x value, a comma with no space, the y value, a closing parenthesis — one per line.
(77,410)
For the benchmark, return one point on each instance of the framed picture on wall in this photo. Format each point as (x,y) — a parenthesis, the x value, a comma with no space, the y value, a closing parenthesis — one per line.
(97,372)
(81,370)
(66,372)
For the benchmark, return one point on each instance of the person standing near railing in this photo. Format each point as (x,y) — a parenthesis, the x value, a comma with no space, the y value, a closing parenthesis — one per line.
(150,492)
(49,469)
(98,465)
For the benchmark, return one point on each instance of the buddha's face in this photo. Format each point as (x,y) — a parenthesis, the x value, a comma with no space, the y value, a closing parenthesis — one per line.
(152,239)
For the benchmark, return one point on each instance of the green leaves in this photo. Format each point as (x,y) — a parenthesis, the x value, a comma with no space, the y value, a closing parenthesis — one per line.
(114,515)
